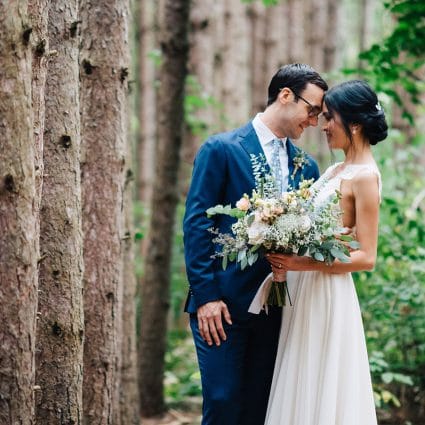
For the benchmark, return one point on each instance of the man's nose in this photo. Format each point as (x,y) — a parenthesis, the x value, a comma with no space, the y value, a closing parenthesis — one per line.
(323,123)
(314,121)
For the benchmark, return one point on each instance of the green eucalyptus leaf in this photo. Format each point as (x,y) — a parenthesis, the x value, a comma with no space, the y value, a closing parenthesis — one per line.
(346,238)
(244,263)
(224,263)
(354,245)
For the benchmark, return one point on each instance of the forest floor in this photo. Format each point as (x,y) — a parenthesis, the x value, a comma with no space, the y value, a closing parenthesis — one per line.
(174,417)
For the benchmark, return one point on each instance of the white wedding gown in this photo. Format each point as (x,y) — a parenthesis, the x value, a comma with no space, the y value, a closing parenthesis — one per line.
(321,374)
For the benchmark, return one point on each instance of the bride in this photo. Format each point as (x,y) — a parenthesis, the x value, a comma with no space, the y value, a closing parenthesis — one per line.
(321,375)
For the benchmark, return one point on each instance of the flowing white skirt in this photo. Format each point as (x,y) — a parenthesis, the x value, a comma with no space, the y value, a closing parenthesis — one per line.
(321,374)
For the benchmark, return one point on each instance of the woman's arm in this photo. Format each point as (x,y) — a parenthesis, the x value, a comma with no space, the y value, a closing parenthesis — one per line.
(366,201)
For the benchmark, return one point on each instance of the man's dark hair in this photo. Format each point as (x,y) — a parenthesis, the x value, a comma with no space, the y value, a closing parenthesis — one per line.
(295,76)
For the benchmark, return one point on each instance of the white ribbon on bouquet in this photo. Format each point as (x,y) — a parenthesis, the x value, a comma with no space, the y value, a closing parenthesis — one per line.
(260,299)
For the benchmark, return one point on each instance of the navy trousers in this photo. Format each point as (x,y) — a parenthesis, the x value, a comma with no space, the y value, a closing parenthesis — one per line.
(237,375)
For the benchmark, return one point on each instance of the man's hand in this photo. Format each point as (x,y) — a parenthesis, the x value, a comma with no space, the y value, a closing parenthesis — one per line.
(210,321)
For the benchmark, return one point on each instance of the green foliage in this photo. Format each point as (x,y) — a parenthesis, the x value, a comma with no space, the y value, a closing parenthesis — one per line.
(155,55)
(182,377)
(399,58)
(227,210)
(140,229)
(179,283)
(197,100)
(393,295)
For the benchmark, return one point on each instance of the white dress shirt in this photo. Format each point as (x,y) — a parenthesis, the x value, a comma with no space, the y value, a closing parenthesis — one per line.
(266,137)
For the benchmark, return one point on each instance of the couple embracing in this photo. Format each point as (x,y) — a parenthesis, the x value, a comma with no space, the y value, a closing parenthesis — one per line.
(304,364)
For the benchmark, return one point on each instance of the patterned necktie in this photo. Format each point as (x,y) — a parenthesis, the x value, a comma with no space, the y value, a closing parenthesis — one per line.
(276,165)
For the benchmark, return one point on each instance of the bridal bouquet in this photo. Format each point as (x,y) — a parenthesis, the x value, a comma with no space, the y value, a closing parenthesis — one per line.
(290,223)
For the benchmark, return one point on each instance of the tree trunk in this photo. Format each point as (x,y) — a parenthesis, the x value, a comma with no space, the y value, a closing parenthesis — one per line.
(129,390)
(104,68)
(296,33)
(235,67)
(199,120)
(146,99)
(60,331)
(18,242)
(330,43)
(38,14)
(363,28)
(201,67)
(315,39)
(155,291)
(259,37)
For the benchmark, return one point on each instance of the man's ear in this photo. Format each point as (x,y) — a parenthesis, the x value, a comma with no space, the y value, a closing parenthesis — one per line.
(285,95)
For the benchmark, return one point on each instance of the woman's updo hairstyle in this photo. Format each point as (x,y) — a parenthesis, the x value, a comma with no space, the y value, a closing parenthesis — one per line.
(357,103)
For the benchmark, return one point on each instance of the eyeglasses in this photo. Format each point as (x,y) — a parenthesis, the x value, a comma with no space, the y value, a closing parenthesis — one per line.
(313,110)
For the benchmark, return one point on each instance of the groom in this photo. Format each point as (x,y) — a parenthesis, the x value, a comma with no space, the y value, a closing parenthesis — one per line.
(236,350)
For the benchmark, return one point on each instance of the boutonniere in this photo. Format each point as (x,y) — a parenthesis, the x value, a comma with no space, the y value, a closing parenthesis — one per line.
(300,161)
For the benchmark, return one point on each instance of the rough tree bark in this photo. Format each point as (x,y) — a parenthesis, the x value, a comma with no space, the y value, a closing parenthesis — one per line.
(129,390)
(104,60)
(235,67)
(18,242)
(201,66)
(147,16)
(60,329)
(38,14)
(155,291)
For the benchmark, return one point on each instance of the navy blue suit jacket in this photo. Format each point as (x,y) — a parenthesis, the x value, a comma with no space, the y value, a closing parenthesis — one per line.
(222,173)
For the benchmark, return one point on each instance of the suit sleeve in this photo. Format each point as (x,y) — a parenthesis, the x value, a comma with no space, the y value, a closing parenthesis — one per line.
(206,190)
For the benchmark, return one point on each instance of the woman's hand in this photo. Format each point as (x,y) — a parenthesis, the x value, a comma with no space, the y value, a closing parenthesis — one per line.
(281,262)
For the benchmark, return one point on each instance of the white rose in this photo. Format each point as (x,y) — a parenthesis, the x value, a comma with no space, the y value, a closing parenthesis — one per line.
(256,232)
(305,223)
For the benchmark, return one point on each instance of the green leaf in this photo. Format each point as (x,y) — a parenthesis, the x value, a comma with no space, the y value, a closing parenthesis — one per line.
(336,252)
(241,255)
(346,238)
(244,263)
(224,263)
(387,377)
(302,251)
(319,256)
(404,379)
(252,258)
(354,245)
(255,248)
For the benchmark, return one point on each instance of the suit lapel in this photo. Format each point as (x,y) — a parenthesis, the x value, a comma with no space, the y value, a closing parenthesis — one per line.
(248,139)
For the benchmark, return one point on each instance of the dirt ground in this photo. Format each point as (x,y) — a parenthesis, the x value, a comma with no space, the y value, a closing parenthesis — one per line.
(174,417)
